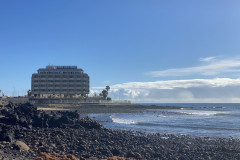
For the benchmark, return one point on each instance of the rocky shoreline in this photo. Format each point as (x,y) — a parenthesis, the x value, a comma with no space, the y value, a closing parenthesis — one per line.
(27,133)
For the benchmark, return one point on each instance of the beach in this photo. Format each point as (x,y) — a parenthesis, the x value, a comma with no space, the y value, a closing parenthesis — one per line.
(72,135)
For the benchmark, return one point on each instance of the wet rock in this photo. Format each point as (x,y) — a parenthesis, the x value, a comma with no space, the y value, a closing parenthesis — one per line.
(89,123)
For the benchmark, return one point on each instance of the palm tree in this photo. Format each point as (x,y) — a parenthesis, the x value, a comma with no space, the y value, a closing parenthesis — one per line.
(107,88)
(105,92)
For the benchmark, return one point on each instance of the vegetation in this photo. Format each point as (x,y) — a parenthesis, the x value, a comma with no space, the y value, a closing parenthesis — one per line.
(105,92)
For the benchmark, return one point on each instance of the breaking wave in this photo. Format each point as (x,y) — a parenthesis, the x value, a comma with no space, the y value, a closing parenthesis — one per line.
(121,120)
(205,113)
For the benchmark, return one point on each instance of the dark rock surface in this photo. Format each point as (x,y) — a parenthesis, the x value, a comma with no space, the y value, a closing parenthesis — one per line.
(65,133)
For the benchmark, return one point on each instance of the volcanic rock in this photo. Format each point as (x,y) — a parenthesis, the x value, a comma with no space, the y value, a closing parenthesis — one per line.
(21,146)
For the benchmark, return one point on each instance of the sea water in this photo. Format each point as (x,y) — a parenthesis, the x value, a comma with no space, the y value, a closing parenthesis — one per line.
(207,120)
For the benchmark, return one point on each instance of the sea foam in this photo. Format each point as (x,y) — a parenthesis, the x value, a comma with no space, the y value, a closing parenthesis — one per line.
(121,120)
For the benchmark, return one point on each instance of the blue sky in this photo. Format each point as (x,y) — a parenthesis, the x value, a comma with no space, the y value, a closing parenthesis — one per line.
(121,42)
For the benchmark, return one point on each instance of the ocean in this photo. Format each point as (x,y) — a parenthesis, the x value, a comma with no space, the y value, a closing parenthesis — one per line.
(195,119)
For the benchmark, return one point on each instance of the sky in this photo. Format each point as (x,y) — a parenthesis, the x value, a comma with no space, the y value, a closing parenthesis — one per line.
(165,51)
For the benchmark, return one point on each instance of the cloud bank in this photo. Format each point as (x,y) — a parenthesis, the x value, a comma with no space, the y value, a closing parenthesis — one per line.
(215,90)
(222,90)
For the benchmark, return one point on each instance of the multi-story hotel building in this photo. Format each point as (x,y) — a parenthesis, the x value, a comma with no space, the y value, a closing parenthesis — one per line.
(67,81)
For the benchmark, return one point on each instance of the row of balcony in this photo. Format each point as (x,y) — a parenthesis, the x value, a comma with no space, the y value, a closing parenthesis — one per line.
(60,88)
(62,76)
(60,91)
(60,81)
(60,84)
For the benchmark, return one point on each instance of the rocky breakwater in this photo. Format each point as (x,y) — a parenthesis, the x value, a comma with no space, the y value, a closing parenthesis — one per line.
(26,133)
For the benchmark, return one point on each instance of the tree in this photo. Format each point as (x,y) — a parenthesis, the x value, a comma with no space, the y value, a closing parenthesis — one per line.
(105,93)
(107,88)
(29,92)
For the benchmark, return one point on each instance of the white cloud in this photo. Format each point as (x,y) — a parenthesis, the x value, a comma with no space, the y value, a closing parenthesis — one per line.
(211,68)
(194,90)
(171,84)
(216,90)
(207,59)
(106,82)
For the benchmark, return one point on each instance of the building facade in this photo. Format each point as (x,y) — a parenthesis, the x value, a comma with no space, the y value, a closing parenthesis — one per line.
(62,81)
